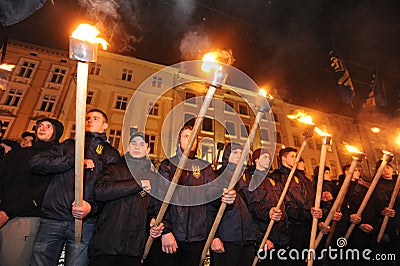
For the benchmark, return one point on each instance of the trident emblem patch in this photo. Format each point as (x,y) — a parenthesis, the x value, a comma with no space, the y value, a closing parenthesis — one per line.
(99,149)
(196,171)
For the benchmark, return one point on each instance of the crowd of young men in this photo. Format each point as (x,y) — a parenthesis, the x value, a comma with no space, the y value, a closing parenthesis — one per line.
(37,208)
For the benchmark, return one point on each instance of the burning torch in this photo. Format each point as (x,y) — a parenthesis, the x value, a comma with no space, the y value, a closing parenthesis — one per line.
(358,156)
(387,158)
(308,133)
(263,105)
(83,45)
(391,203)
(326,140)
(216,78)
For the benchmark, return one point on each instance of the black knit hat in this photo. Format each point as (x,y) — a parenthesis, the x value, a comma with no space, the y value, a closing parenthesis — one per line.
(59,128)
(229,147)
(258,152)
(27,133)
(378,164)
(137,134)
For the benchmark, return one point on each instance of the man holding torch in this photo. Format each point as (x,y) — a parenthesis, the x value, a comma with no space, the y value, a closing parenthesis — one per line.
(262,204)
(186,227)
(57,226)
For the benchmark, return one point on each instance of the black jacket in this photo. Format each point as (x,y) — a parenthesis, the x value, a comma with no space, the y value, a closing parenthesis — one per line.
(300,196)
(60,162)
(262,199)
(236,223)
(22,191)
(122,225)
(187,223)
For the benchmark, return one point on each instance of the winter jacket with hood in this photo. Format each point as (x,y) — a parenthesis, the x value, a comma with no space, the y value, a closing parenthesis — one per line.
(22,191)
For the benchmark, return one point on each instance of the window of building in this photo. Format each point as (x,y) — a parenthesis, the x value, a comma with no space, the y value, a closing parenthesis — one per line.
(121,102)
(190,98)
(230,128)
(278,137)
(297,141)
(48,102)
(4,128)
(189,119)
(57,75)
(127,74)
(333,166)
(89,97)
(207,124)
(314,163)
(115,137)
(13,97)
(276,116)
(153,108)
(244,131)
(229,106)
(26,69)
(207,152)
(94,69)
(310,144)
(156,82)
(264,134)
(151,140)
(243,110)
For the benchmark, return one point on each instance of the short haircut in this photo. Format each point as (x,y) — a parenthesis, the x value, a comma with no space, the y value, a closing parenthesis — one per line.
(345,168)
(98,111)
(286,151)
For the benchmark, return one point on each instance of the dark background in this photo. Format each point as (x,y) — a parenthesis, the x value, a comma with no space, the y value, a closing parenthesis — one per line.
(282,44)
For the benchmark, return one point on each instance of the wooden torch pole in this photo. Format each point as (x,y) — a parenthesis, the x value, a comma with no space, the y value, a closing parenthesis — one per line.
(387,157)
(308,134)
(326,141)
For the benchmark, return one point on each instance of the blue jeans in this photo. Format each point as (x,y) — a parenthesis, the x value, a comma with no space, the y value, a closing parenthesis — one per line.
(52,236)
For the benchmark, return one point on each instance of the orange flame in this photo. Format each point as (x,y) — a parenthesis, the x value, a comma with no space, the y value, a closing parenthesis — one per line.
(262,92)
(321,132)
(375,129)
(352,149)
(7,67)
(302,117)
(397,141)
(210,62)
(86,32)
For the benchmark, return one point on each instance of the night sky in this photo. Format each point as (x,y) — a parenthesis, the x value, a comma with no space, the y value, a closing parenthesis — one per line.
(283,44)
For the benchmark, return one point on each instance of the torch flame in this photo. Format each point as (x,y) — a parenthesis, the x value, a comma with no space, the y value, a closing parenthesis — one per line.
(387,152)
(321,132)
(7,67)
(397,141)
(210,62)
(262,92)
(375,129)
(302,117)
(86,32)
(352,149)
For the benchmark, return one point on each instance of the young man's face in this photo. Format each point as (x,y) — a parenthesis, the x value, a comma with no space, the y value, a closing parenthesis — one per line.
(262,163)
(184,140)
(138,148)
(289,159)
(235,155)
(44,131)
(387,172)
(95,122)
(301,165)
(327,175)
(27,142)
